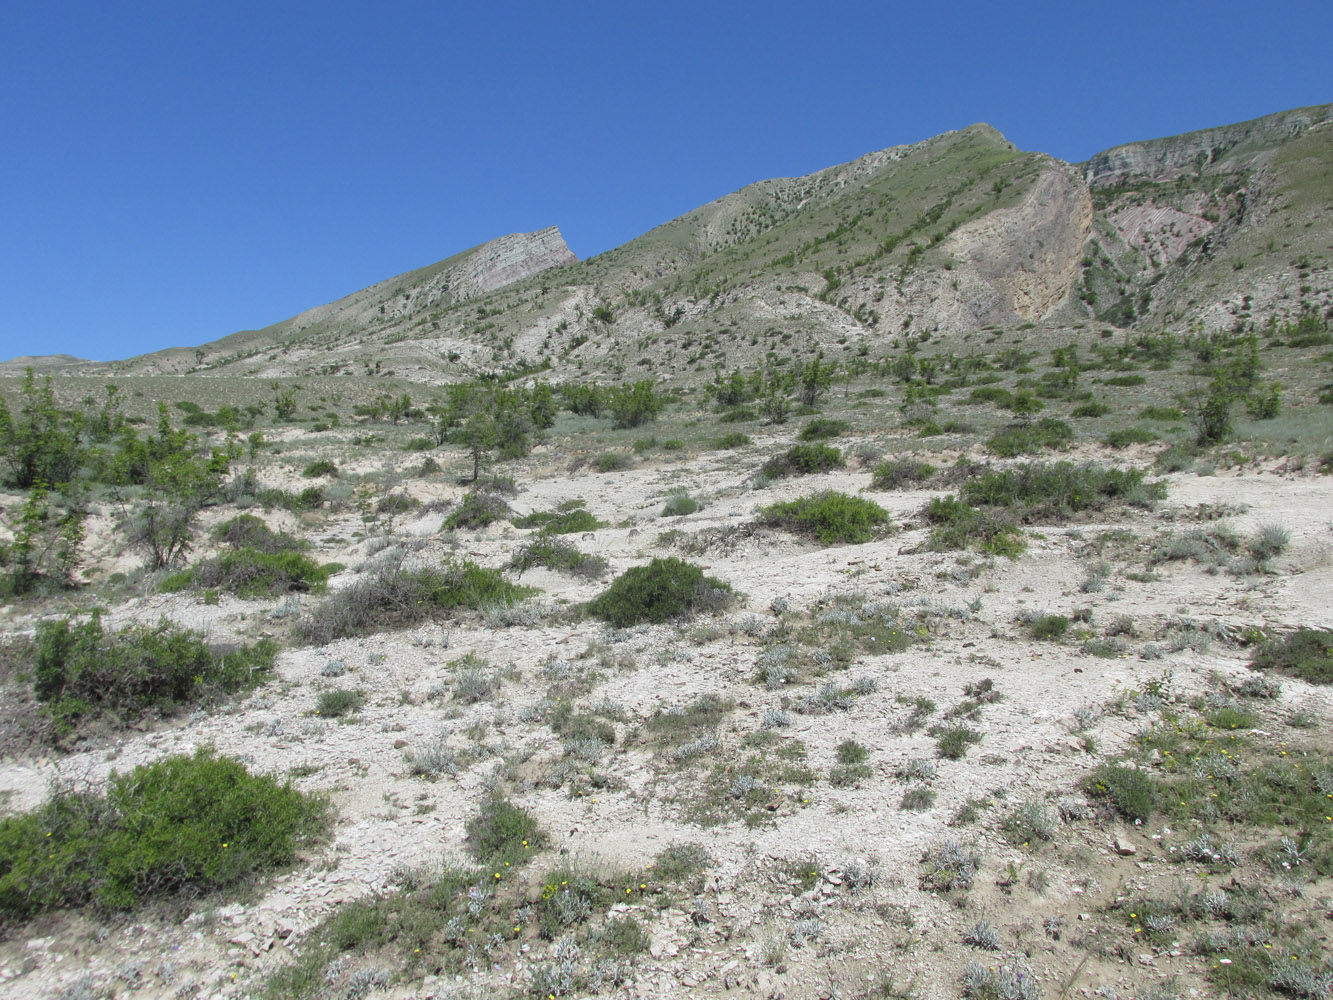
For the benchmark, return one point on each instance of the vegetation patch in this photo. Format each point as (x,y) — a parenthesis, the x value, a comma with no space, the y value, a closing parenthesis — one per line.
(900,474)
(831,517)
(803,460)
(1047,433)
(82,672)
(183,825)
(823,428)
(557,554)
(568,518)
(393,596)
(665,589)
(478,509)
(1306,654)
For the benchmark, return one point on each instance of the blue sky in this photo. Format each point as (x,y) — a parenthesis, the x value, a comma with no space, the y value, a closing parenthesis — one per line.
(174,172)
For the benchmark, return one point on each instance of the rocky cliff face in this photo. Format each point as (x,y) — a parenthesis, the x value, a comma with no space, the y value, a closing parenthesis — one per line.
(512,258)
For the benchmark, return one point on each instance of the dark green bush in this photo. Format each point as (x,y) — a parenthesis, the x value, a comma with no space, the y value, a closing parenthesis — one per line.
(1306,653)
(959,525)
(181,825)
(1091,410)
(666,588)
(395,504)
(393,597)
(738,415)
(1126,436)
(560,522)
(823,429)
(502,833)
(899,473)
(478,509)
(1038,489)
(951,742)
(1125,381)
(804,459)
(678,504)
(612,461)
(250,573)
(322,467)
(1163,413)
(831,517)
(1126,790)
(556,554)
(80,670)
(633,405)
(249,532)
(1049,627)
(1045,433)
(734,439)
(991,394)
(338,702)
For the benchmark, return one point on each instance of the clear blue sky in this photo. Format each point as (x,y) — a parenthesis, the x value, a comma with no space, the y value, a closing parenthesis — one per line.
(174,172)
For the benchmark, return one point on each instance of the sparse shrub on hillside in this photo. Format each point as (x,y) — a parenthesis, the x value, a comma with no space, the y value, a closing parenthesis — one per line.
(43,550)
(1038,490)
(679,503)
(833,518)
(1047,433)
(1306,654)
(666,588)
(1049,627)
(566,519)
(612,461)
(250,573)
(81,671)
(1090,410)
(900,473)
(823,428)
(478,509)
(321,467)
(393,596)
(1127,436)
(959,525)
(734,439)
(634,405)
(557,554)
(338,702)
(804,459)
(1127,790)
(951,742)
(503,834)
(183,825)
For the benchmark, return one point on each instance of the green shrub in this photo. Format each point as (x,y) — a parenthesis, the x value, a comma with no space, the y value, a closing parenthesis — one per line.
(565,521)
(679,503)
(738,415)
(823,429)
(951,742)
(556,554)
(612,461)
(322,467)
(249,532)
(1126,436)
(1039,490)
(502,833)
(397,503)
(393,597)
(183,825)
(79,670)
(1091,410)
(339,702)
(991,394)
(1306,653)
(1128,791)
(478,509)
(1125,381)
(666,588)
(1045,433)
(831,517)
(634,405)
(734,439)
(959,525)
(249,573)
(804,459)
(1049,627)
(1166,414)
(851,752)
(899,473)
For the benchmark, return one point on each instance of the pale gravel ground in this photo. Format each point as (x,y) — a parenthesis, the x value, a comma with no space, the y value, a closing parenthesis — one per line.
(1027,748)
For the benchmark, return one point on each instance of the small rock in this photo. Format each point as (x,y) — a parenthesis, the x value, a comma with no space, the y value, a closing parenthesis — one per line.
(1123,847)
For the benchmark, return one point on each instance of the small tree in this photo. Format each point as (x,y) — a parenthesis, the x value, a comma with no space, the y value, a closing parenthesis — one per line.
(814,380)
(633,405)
(45,546)
(41,444)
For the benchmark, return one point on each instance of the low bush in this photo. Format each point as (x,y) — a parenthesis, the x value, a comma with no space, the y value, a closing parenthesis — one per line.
(1306,654)
(612,461)
(322,467)
(1127,790)
(1166,414)
(1089,410)
(959,525)
(679,503)
(951,742)
(183,825)
(666,588)
(339,702)
(833,518)
(1050,627)
(1125,381)
(249,532)
(393,596)
(1045,433)
(478,509)
(556,554)
(81,671)
(502,833)
(1127,436)
(802,460)
(734,439)
(250,573)
(1037,490)
(900,473)
(564,521)
(823,429)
